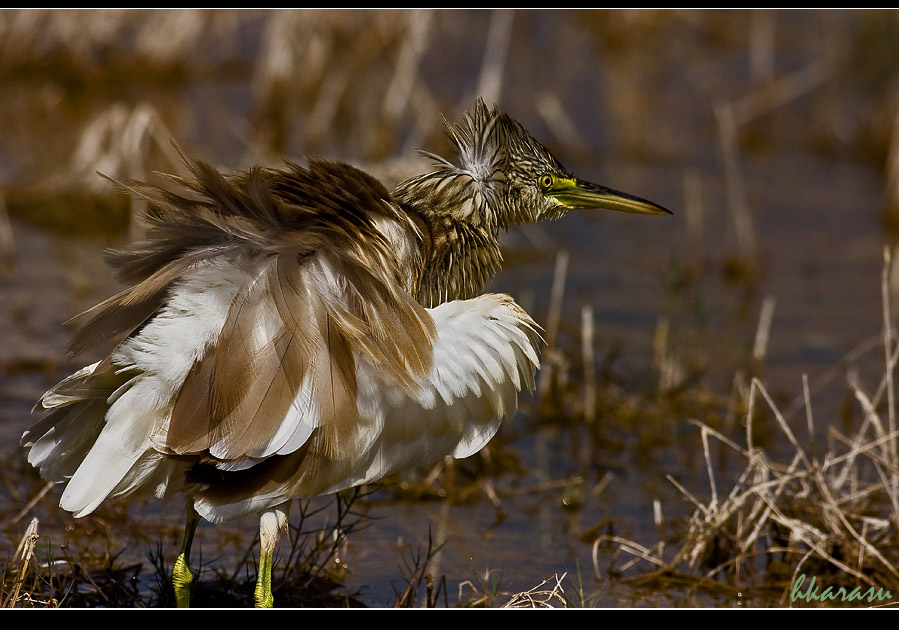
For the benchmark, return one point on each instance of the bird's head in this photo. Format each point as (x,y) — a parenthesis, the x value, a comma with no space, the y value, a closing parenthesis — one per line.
(505,177)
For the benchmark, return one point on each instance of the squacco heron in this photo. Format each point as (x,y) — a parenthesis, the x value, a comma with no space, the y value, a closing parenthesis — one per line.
(294,332)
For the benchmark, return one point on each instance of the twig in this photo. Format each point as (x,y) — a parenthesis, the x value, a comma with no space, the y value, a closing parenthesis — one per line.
(24,551)
(31,504)
(490,83)
(552,323)
(733,177)
(589,365)
(7,239)
(539,597)
(763,330)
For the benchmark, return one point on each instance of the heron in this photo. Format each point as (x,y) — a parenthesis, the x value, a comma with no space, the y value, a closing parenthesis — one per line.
(295,331)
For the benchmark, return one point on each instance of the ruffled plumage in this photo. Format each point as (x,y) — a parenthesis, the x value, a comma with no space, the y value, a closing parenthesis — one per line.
(292,332)
(271,346)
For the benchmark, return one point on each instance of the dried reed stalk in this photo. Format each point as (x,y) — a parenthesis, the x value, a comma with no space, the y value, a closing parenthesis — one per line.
(820,511)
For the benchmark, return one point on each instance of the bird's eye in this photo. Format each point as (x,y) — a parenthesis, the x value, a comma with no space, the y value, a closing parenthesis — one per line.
(545,181)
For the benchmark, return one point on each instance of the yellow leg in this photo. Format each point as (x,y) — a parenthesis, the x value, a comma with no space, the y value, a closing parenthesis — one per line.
(181,575)
(270,525)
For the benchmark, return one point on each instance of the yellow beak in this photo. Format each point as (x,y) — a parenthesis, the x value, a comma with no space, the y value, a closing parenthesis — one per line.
(576,193)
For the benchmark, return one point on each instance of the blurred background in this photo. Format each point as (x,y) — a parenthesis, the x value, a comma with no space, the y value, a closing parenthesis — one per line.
(772,135)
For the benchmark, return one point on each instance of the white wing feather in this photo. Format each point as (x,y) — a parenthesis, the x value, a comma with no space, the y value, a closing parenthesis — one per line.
(483,355)
(485,351)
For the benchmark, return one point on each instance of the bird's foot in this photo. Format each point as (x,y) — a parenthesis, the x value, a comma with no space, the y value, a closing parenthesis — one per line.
(262,597)
(181,581)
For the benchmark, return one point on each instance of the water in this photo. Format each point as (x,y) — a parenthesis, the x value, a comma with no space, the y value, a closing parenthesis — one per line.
(639,88)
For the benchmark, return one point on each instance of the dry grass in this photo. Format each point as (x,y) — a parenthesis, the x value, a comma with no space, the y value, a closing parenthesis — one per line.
(832,513)
(544,595)
(309,572)
(827,507)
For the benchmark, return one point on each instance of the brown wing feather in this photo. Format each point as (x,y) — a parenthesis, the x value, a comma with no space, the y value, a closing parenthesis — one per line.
(117,317)
(304,229)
